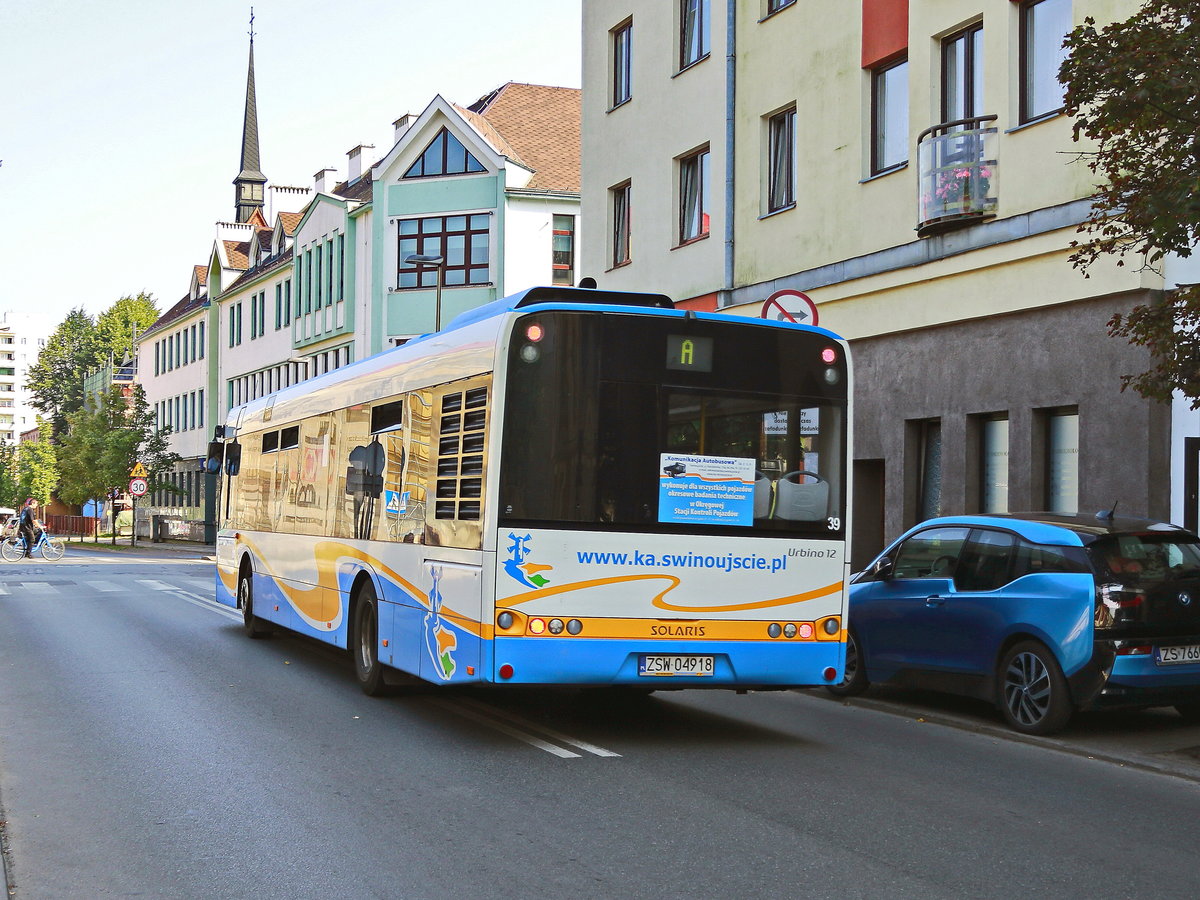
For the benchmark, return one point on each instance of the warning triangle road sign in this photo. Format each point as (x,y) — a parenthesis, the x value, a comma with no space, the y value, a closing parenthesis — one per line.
(139,471)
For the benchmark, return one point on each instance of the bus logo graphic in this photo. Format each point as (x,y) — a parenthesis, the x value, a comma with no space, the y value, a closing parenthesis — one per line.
(529,574)
(439,639)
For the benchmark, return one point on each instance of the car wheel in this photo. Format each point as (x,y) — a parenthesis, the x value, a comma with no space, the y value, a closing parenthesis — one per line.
(854,681)
(1190,711)
(1033,693)
(251,624)
(364,643)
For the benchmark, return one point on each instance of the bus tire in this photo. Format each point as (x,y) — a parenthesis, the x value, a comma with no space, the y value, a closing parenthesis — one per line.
(364,642)
(253,626)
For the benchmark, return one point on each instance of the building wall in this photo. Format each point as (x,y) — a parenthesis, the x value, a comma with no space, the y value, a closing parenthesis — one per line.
(670,114)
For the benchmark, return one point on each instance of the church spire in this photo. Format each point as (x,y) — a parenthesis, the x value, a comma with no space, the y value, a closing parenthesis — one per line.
(248,186)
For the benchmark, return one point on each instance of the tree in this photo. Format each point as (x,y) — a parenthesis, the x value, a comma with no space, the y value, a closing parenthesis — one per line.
(115,327)
(1134,89)
(37,466)
(9,489)
(56,379)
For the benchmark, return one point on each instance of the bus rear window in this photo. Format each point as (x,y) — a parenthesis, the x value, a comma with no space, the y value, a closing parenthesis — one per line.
(603,427)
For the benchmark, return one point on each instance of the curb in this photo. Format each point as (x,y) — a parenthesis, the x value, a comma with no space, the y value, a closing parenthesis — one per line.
(1132,760)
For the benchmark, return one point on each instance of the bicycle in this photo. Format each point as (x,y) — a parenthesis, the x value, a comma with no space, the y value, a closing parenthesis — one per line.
(13,548)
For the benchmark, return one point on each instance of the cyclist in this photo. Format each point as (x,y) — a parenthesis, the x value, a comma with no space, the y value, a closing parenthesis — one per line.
(29,526)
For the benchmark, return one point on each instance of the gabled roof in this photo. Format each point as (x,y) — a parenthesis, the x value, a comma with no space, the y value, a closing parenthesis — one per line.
(289,221)
(236,253)
(540,124)
(200,273)
(185,306)
(360,190)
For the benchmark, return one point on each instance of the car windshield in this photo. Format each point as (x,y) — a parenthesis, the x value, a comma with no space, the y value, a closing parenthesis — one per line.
(1147,558)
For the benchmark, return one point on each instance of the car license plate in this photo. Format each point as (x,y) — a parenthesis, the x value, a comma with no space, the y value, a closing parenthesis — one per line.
(659,666)
(1173,656)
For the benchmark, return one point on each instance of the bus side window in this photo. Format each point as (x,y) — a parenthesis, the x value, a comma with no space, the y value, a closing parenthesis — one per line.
(461,441)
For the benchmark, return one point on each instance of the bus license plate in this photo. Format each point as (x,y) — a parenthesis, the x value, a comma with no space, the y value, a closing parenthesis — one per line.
(1173,656)
(658,666)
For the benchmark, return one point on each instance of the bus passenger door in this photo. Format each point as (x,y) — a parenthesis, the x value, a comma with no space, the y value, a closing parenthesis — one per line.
(450,630)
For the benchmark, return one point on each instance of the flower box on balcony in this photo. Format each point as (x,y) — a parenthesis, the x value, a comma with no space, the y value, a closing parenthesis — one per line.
(957,175)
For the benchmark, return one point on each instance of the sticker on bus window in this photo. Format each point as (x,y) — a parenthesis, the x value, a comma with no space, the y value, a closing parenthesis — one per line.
(705,490)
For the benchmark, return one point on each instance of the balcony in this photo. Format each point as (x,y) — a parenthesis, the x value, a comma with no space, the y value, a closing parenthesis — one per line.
(956,170)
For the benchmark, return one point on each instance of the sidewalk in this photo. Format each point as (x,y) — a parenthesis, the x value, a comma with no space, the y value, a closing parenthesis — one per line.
(145,548)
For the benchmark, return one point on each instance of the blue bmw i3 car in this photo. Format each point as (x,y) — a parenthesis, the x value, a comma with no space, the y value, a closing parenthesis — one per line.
(1038,613)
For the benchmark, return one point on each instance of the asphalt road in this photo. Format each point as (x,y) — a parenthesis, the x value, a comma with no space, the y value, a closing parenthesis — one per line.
(148,748)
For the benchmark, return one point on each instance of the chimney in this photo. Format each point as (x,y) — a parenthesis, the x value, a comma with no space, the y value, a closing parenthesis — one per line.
(401,125)
(321,177)
(356,161)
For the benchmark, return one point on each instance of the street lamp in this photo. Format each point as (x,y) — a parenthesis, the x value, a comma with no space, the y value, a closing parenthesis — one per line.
(420,260)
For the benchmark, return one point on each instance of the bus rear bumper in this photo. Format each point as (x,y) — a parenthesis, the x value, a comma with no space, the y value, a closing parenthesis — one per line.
(734,664)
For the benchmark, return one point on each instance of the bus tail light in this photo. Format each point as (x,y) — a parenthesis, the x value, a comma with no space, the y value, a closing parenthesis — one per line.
(506,671)
(537,626)
(830,673)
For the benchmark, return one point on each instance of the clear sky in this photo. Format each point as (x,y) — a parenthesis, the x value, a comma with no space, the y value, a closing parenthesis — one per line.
(121,120)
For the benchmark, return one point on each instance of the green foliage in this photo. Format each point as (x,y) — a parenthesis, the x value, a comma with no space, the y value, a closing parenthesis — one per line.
(1134,89)
(37,466)
(9,489)
(115,327)
(106,439)
(56,379)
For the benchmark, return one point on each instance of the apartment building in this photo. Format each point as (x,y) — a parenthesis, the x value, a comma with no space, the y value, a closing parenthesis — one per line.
(909,169)
(21,340)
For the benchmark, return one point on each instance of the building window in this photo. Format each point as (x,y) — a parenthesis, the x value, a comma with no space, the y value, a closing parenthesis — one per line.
(445,155)
(318,257)
(693,196)
(1062,462)
(781,160)
(929,470)
(462,241)
(622,64)
(693,31)
(329,272)
(993,465)
(774,6)
(287,302)
(278,306)
(889,116)
(201,340)
(563,253)
(341,246)
(253,316)
(962,75)
(1044,24)
(621,221)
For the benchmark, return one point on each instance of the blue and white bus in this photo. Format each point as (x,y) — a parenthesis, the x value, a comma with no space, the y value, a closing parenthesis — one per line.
(563,487)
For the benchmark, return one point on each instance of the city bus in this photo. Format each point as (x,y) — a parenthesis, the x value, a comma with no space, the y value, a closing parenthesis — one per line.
(567,486)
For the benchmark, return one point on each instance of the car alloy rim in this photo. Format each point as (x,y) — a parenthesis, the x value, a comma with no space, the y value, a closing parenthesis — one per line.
(1027,688)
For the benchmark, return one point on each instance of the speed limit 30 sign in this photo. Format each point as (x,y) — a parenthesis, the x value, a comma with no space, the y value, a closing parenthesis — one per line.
(138,486)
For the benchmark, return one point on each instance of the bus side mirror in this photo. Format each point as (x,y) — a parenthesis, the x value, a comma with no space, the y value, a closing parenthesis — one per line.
(212,463)
(233,458)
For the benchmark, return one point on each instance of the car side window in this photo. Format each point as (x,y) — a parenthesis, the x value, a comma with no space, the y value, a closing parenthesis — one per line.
(1032,559)
(929,554)
(986,562)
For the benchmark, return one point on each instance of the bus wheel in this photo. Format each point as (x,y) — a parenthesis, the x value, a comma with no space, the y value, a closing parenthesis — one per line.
(364,643)
(251,624)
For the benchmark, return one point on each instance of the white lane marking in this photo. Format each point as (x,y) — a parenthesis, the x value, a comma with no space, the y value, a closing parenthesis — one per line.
(103,587)
(534,726)
(202,586)
(38,587)
(560,752)
(4,591)
(209,604)
(155,585)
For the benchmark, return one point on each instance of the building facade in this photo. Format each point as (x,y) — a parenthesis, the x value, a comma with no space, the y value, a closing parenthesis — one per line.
(909,169)
(21,340)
